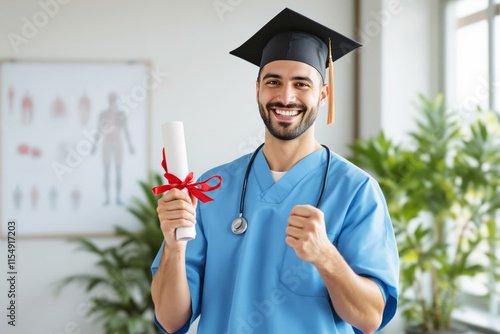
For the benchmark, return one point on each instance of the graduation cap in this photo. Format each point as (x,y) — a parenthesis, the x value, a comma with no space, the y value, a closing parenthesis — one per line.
(292,36)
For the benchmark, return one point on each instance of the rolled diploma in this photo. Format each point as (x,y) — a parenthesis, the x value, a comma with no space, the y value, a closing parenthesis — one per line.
(176,159)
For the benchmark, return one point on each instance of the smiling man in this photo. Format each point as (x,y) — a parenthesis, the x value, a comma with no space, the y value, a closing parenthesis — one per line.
(312,249)
(287,94)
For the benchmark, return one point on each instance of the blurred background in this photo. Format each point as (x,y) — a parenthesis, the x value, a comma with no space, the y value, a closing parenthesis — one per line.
(419,59)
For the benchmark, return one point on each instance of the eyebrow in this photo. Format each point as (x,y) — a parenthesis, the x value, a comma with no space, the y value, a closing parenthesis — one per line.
(277,76)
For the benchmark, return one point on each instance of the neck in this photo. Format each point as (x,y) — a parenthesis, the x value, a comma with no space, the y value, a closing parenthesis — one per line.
(282,155)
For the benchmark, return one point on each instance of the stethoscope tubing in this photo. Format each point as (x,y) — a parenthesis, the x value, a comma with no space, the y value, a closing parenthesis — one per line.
(239,225)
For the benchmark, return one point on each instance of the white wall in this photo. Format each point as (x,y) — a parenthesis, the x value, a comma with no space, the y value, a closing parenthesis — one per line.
(401,61)
(370,68)
(211,91)
(410,62)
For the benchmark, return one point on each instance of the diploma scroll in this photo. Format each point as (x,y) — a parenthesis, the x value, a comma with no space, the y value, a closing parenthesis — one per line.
(176,159)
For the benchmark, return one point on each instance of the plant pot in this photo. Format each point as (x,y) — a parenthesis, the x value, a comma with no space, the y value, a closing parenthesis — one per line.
(418,330)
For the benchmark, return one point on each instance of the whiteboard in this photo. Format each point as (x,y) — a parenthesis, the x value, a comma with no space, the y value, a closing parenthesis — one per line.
(74,145)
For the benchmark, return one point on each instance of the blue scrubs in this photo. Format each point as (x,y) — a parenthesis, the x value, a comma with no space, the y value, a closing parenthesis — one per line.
(255,283)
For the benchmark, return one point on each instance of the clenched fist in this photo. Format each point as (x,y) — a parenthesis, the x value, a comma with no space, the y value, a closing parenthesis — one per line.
(306,234)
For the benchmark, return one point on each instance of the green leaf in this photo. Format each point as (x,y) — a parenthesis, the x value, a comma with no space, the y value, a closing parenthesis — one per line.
(86,245)
(410,256)
(90,281)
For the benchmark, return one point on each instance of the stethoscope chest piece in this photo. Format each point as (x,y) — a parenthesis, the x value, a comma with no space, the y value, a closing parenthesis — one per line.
(239,225)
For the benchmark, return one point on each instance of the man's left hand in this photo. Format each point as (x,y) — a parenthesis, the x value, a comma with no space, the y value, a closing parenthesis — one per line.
(306,234)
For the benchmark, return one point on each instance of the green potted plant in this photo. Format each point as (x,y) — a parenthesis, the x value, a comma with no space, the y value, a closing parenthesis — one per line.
(126,307)
(442,193)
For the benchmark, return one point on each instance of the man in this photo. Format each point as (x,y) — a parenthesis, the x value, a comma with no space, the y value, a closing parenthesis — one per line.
(297,268)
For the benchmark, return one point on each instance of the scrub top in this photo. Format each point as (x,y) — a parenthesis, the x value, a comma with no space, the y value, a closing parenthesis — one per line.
(254,282)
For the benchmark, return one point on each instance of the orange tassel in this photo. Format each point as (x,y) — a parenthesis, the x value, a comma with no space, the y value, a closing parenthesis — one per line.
(331,98)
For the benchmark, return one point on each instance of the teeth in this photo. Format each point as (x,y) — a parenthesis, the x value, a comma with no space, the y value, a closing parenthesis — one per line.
(287,112)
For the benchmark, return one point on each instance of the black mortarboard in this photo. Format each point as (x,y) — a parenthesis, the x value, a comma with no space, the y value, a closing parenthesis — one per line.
(292,36)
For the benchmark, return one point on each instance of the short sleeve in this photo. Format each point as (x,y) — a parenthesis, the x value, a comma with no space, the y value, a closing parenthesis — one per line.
(195,269)
(368,244)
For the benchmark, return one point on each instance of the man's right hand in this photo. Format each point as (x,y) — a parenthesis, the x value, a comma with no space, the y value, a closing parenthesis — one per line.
(176,209)
(170,288)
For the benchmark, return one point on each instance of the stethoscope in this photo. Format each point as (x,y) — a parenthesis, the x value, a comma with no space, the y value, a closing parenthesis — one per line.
(240,224)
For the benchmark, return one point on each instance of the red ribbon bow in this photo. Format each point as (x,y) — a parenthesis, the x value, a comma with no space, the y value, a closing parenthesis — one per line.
(194,188)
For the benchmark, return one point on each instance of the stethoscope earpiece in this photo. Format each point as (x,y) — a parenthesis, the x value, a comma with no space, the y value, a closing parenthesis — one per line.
(240,224)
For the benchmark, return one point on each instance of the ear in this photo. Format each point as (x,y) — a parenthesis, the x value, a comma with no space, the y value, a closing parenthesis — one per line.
(323,95)
(257,90)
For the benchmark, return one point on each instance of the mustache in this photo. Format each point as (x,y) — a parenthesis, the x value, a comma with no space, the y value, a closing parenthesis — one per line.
(274,105)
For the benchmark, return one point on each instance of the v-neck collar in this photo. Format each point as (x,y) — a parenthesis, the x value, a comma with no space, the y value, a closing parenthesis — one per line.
(275,193)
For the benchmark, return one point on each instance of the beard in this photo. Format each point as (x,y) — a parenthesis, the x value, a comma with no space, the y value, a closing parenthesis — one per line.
(285,130)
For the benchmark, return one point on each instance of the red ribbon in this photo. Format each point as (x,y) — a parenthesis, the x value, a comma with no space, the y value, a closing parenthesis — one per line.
(194,188)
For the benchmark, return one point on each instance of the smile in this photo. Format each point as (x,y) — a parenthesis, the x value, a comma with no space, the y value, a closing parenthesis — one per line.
(286,114)
(282,112)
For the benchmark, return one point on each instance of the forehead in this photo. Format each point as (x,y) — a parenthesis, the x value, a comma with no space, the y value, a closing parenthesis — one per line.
(289,69)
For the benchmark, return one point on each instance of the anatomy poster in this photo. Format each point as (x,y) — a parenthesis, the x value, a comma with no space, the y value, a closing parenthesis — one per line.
(74,144)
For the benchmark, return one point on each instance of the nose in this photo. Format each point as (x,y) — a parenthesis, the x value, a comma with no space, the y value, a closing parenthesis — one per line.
(286,95)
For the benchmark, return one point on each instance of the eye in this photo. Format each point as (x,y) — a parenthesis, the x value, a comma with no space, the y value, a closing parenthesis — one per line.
(302,84)
(272,82)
